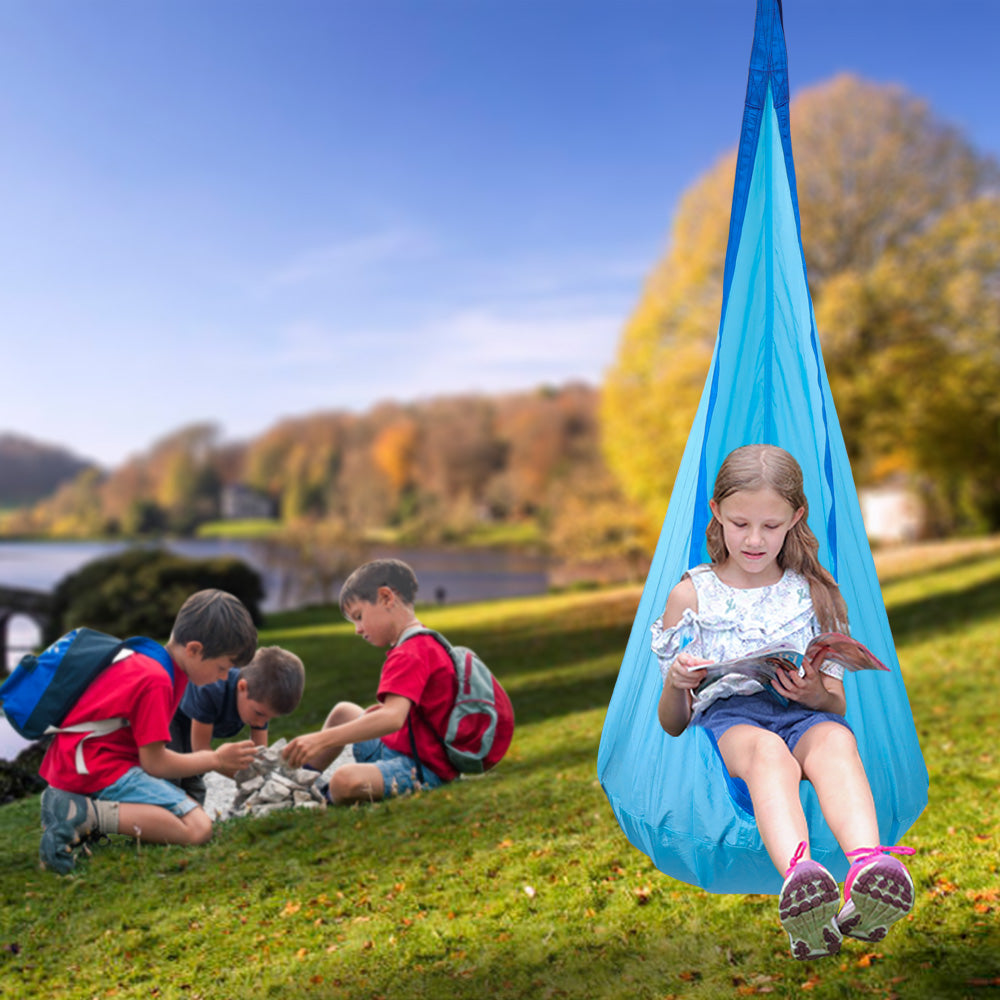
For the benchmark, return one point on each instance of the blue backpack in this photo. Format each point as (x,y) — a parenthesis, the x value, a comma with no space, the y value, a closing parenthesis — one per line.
(43,688)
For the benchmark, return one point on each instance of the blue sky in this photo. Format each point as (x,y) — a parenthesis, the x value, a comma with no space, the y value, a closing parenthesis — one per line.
(237,210)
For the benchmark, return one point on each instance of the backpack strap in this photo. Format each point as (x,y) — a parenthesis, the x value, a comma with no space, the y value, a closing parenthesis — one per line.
(101,727)
(413,747)
(409,633)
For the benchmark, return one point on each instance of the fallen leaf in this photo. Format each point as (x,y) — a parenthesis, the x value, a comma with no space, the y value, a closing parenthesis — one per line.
(866,960)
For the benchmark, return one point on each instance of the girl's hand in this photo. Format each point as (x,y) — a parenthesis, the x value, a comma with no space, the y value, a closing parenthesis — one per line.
(686,672)
(807,690)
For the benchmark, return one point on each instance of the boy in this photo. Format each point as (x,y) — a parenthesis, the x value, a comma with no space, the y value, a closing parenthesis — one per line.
(125,787)
(268,686)
(378,598)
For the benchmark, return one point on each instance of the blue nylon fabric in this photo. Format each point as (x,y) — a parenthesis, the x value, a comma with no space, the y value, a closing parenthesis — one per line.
(767,383)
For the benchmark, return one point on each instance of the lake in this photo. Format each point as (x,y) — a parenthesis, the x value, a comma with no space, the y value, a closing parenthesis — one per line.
(445,575)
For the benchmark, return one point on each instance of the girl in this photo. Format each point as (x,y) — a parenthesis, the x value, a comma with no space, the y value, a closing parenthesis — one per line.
(765,584)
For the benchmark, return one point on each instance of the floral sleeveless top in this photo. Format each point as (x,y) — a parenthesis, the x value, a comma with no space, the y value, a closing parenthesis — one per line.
(732,622)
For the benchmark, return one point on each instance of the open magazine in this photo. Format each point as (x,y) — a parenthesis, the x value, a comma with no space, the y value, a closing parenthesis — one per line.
(763,665)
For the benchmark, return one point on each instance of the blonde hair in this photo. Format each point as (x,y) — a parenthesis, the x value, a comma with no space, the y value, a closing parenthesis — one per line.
(765,466)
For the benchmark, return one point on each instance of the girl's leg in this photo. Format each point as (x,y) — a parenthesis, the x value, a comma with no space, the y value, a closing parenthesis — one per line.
(878,890)
(828,754)
(772,774)
(158,825)
(809,899)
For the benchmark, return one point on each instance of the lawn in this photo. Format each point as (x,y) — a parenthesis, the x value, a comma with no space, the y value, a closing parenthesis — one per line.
(520,884)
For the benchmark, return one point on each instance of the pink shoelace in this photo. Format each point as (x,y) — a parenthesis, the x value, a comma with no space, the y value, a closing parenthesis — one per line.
(863,855)
(796,857)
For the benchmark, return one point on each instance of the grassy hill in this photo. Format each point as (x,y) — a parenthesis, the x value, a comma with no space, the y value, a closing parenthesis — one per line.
(520,884)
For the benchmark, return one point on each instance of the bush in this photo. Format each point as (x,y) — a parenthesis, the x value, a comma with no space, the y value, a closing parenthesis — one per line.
(139,592)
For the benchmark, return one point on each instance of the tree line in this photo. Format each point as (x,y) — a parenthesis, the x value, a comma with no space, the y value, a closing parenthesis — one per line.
(433,471)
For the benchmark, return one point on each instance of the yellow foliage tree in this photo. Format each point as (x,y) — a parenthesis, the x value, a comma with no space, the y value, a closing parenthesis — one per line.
(394,451)
(876,172)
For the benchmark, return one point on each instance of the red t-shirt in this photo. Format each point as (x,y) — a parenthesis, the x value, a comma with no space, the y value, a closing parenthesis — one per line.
(422,671)
(136,688)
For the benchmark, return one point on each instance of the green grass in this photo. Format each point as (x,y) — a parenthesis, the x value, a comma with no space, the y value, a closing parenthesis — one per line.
(248,528)
(519,884)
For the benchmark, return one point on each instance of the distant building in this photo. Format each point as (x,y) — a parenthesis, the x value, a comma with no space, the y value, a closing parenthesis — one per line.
(892,514)
(239,502)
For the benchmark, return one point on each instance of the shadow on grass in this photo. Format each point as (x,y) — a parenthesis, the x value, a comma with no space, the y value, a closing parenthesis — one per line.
(551,699)
(935,569)
(929,617)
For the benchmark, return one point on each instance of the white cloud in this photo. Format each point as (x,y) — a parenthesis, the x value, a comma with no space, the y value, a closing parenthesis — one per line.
(566,337)
(347,259)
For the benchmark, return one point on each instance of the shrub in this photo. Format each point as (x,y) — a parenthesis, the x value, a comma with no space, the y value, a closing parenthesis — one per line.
(139,591)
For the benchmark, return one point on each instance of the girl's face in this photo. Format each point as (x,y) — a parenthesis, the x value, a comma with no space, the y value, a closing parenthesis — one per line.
(754,526)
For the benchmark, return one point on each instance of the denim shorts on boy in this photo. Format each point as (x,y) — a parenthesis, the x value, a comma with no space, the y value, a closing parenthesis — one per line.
(399,770)
(789,721)
(135,785)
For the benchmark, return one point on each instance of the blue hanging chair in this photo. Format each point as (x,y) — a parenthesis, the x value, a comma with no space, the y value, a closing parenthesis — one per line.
(767,384)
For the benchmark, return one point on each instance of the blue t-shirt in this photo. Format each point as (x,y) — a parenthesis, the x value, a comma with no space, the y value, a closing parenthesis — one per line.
(213,703)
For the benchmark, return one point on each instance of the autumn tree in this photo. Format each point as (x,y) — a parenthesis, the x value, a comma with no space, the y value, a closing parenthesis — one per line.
(877,174)
(297,462)
(432,470)
(544,436)
(457,453)
(75,509)
(913,349)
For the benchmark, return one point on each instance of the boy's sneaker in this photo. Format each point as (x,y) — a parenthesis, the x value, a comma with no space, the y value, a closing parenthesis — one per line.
(877,893)
(66,819)
(807,907)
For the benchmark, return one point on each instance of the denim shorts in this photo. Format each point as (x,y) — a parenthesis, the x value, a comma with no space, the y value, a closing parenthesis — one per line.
(790,721)
(135,785)
(399,770)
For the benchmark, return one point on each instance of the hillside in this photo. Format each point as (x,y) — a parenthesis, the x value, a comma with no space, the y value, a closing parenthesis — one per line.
(31,470)
(520,884)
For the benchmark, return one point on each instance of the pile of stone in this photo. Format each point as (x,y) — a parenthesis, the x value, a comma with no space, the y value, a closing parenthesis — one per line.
(269,784)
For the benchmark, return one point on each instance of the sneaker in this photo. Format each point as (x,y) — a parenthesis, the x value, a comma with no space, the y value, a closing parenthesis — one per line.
(807,907)
(66,819)
(877,893)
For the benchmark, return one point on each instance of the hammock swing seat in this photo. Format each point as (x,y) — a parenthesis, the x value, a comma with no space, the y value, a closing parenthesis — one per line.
(767,384)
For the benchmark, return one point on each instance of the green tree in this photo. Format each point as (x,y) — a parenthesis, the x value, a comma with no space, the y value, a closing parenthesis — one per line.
(877,175)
